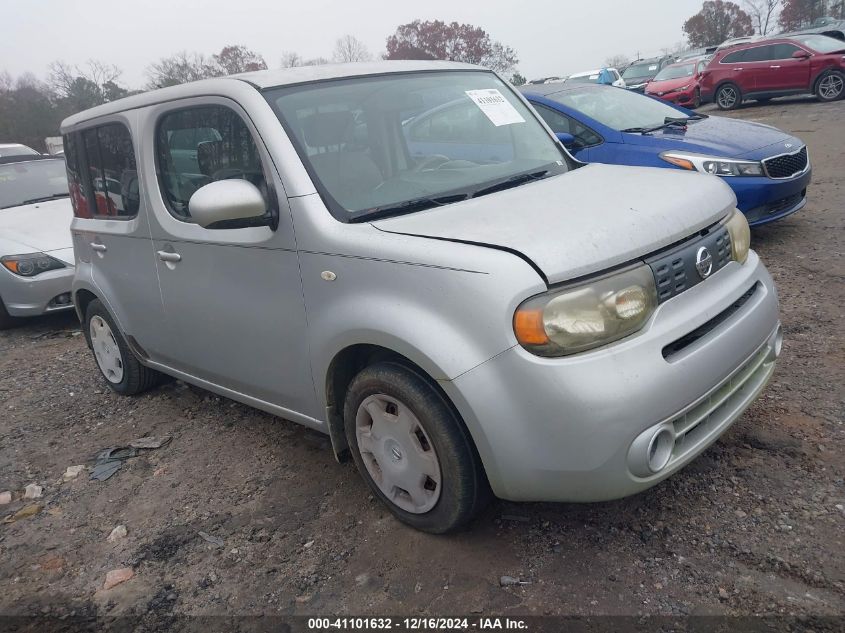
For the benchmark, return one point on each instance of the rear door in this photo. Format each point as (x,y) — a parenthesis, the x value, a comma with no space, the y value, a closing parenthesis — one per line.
(111,235)
(785,72)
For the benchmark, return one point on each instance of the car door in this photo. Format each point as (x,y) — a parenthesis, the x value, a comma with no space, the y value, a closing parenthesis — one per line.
(760,73)
(233,295)
(734,68)
(111,234)
(785,72)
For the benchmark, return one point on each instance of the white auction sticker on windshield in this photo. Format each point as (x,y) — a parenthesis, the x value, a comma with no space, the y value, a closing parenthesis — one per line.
(495,107)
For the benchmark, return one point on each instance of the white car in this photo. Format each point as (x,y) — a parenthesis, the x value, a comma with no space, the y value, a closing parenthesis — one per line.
(16,149)
(592,77)
(36,248)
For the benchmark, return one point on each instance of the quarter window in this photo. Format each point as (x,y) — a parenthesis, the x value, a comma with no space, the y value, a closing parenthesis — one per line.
(102,173)
(198,146)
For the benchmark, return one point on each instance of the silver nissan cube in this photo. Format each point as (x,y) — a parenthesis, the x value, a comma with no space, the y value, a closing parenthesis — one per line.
(403,256)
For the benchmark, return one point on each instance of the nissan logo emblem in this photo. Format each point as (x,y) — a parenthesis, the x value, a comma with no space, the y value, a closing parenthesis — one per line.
(703,262)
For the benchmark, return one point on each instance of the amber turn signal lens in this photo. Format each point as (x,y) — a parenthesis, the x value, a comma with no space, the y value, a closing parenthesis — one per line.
(683,163)
(528,327)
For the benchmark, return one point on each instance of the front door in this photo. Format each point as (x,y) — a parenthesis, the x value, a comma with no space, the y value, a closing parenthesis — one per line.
(785,72)
(233,295)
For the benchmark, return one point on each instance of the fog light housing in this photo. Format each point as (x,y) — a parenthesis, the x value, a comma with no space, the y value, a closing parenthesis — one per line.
(651,451)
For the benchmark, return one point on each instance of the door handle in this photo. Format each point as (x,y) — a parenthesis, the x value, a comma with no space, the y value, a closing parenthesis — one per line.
(168,256)
(100,248)
(736,70)
(774,66)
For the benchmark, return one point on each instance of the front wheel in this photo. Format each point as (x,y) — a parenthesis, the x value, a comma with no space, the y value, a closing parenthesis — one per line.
(696,100)
(116,362)
(831,86)
(412,450)
(728,97)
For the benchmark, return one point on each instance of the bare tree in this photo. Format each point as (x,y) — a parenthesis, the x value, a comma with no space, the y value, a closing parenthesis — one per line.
(95,76)
(617,61)
(291,59)
(763,13)
(350,49)
(181,68)
(238,59)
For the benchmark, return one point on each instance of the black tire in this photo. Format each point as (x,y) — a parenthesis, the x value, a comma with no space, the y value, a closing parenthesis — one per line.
(696,99)
(464,490)
(6,321)
(136,377)
(723,99)
(830,86)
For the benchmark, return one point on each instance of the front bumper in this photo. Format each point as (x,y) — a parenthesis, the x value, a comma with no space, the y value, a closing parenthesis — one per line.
(764,200)
(565,429)
(686,98)
(25,296)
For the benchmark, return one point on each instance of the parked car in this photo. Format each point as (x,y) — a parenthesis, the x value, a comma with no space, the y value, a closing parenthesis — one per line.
(768,170)
(640,72)
(16,149)
(804,64)
(679,83)
(514,326)
(592,77)
(36,251)
(831,27)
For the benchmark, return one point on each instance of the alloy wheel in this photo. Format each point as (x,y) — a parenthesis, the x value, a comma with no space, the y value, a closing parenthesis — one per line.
(831,87)
(727,97)
(106,349)
(398,454)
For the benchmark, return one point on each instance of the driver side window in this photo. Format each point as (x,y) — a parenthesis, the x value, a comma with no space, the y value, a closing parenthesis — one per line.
(200,145)
(560,123)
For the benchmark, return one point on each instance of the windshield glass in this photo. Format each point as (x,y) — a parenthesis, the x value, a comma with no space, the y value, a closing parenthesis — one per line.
(821,43)
(31,181)
(641,71)
(676,72)
(375,143)
(617,109)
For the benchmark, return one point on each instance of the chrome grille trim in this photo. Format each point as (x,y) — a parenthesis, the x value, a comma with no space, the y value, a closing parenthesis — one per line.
(788,165)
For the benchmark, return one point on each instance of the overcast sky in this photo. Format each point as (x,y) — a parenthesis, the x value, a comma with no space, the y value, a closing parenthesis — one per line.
(551,37)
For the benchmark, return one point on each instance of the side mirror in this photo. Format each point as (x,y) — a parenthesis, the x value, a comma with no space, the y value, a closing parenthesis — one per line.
(567,139)
(226,201)
(800,54)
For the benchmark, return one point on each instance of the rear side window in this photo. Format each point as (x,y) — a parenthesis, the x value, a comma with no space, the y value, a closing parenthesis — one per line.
(759,54)
(734,58)
(102,172)
(198,146)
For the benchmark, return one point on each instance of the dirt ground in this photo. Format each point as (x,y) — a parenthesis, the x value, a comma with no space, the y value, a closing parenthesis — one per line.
(754,526)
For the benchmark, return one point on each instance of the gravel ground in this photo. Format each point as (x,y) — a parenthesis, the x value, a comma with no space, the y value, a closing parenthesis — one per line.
(754,526)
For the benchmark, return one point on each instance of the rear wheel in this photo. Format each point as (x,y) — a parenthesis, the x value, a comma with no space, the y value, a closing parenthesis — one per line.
(116,362)
(831,86)
(412,450)
(728,97)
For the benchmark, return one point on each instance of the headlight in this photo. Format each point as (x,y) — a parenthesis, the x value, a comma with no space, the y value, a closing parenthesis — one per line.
(713,164)
(740,234)
(30,265)
(681,89)
(587,315)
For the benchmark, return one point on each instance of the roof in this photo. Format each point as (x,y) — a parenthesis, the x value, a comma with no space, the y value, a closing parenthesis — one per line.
(26,158)
(545,90)
(264,79)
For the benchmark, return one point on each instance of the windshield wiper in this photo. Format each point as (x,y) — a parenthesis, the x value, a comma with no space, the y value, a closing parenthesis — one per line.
(667,122)
(417,204)
(46,198)
(508,183)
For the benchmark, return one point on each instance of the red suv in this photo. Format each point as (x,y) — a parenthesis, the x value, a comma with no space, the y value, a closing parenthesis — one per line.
(774,68)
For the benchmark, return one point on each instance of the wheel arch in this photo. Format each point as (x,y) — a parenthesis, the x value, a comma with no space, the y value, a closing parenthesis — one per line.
(81,299)
(821,75)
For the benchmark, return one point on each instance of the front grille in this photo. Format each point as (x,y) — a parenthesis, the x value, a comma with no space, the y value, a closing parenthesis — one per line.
(721,405)
(675,271)
(787,165)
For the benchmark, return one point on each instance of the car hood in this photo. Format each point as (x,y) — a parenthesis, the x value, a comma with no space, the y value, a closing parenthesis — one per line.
(669,84)
(716,135)
(42,227)
(575,224)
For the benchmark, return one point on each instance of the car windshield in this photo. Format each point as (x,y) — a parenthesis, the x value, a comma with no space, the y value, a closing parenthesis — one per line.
(17,150)
(821,43)
(676,72)
(406,141)
(32,181)
(617,109)
(636,71)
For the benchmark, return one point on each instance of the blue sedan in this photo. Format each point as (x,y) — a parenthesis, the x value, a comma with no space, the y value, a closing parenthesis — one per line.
(768,169)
